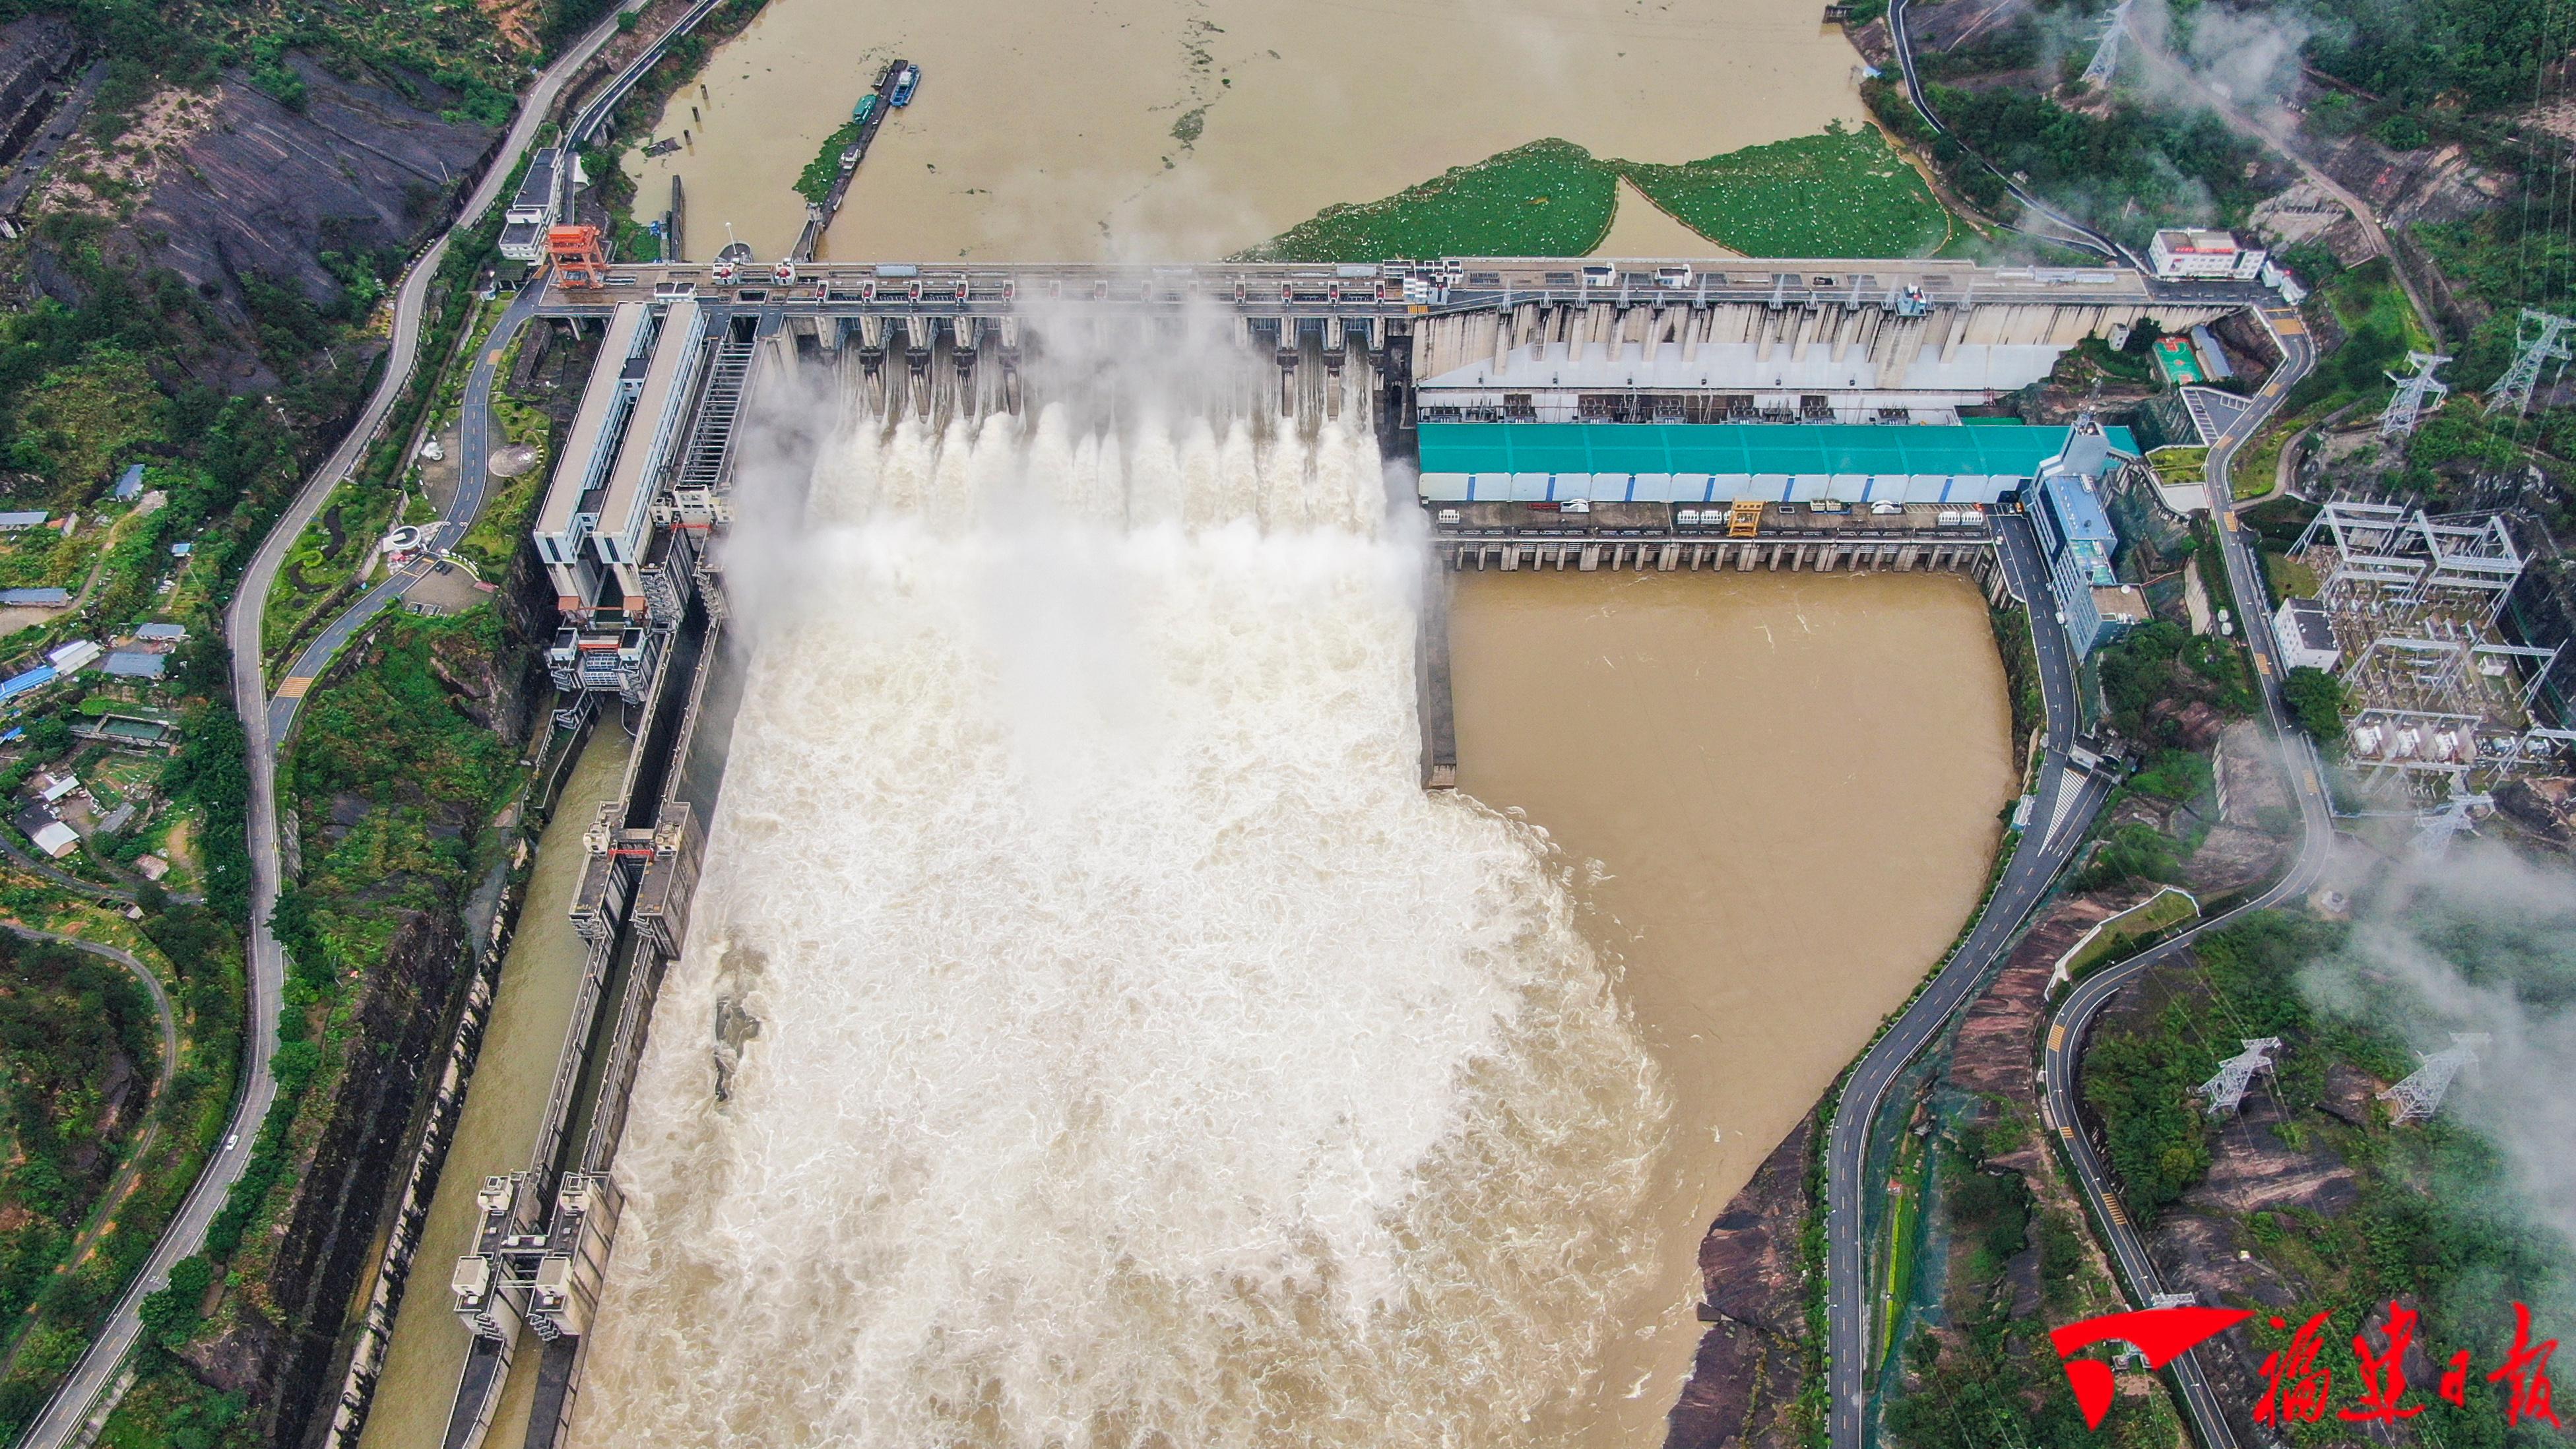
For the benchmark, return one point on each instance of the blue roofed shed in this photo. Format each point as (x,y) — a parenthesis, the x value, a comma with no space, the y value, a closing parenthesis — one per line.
(136,664)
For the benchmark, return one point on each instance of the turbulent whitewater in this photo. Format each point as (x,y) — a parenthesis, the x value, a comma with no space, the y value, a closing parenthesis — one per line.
(1089,1032)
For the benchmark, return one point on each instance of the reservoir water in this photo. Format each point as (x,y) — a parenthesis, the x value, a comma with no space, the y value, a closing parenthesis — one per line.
(1056,131)
(1790,784)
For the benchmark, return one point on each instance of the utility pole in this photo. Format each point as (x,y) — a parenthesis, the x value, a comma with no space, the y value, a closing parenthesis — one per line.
(2398,419)
(2549,346)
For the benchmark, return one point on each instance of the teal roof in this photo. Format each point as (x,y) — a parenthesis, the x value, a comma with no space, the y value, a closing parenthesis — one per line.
(1745,448)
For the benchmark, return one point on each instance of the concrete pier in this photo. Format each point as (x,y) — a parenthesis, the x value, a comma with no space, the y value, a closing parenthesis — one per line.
(1431,688)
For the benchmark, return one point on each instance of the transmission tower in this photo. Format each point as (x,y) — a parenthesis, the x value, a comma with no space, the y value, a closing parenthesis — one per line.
(2435,828)
(2227,1089)
(2413,394)
(2549,346)
(2420,1095)
(2106,56)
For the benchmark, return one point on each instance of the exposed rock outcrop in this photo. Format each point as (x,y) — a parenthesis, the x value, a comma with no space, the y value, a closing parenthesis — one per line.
(1752,1360)
(243,187)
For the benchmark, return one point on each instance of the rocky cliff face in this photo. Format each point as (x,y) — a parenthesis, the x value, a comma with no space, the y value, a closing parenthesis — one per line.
(283,1348)
(329,1235)
(240,186)
(1752,1360)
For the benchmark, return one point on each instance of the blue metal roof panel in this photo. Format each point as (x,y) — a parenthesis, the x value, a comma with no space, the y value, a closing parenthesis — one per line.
(1745,448)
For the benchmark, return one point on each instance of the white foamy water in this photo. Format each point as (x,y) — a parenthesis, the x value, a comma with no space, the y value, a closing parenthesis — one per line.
(1141,1058)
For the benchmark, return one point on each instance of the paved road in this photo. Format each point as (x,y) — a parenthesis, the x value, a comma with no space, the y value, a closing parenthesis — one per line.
(474,433)
(2073,1020)
(2070,232)
(105,1212)
(2048,840)
(474,423)
(78,1399)
(596,109)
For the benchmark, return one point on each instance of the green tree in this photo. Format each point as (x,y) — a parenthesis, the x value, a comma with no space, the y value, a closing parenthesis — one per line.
(2319,700)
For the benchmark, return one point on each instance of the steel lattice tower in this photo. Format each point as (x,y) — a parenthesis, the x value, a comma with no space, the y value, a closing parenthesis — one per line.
(2420,1095)
(2518,380)
(2106,56)
(2397,420)
(2434,829)
(2227,1088)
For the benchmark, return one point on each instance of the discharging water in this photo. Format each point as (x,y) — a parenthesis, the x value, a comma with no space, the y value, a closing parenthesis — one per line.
(1185,130)
(1089,1031)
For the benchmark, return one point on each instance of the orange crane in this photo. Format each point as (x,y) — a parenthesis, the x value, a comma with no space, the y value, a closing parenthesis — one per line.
(577,259)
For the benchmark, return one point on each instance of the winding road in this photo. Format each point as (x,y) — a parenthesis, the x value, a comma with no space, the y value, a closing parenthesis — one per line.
(1848,1299)
(87,1392)
(2054,828)
(2071,232)
(2060,1062)
(473,463)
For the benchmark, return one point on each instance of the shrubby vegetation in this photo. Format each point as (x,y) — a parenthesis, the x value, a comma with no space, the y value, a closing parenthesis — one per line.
(1837,194)
(2319,700)
(1844,193)
(1988,1377)
(2426,1226)
(2480,54)
(2125,174)
(1546,199)
(2162,661)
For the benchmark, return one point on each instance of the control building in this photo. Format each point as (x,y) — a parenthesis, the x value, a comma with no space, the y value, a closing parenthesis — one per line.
(1849,463)
(523,227)
(2186,253)
(2075,533)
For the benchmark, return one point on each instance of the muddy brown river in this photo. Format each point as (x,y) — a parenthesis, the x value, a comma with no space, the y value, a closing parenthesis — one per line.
(1054,131)
(1779,796)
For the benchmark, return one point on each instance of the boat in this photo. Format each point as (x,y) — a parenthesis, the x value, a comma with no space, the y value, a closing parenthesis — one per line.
(866,107)
(904,82)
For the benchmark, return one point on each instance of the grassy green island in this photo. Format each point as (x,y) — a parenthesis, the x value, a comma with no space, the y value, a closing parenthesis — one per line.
(1841,193)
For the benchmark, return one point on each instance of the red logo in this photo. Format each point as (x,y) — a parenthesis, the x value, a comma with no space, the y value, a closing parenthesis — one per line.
(2160,1334)
(2295,1386)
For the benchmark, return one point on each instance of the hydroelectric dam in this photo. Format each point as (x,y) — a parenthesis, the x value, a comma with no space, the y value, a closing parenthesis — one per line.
(1802,416)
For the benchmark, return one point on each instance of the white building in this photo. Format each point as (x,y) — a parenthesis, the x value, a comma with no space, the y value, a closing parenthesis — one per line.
(2197,253)
(72,658)
(2306,639)
(532,211)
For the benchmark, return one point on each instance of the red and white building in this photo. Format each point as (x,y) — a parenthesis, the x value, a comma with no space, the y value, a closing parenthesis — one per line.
(2196,253)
